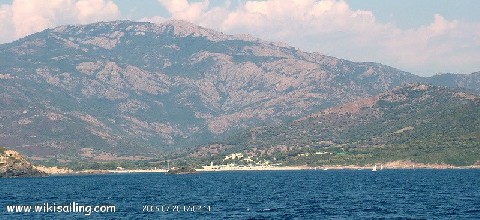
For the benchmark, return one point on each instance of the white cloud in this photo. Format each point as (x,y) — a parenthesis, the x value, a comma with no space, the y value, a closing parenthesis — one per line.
(25,17)
(96,10)
(332,27)
(6,25)
(183,10)
(442,46)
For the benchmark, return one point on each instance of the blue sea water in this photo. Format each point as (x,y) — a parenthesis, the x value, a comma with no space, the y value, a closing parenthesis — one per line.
(313,194)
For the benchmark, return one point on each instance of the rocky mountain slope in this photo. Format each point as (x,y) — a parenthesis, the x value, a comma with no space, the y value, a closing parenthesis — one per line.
(470,81)
(12,164)
(419,123)
(130,90)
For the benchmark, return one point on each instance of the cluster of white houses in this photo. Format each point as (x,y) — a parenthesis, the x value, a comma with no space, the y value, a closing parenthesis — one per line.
(237,157)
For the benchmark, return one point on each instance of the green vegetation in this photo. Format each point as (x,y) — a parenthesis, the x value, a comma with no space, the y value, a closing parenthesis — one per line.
(430,125)
(106,165)
(149,91)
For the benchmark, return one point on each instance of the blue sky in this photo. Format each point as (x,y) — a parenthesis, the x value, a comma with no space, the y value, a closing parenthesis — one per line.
(412,14)
(423,37)
(406,14)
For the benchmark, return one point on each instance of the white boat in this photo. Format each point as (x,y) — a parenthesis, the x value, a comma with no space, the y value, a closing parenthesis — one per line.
(374,168)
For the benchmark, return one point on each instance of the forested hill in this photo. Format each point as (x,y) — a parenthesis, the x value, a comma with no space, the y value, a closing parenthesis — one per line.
(421,123)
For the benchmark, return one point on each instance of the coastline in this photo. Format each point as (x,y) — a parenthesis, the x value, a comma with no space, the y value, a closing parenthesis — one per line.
(387,166)
(254,168)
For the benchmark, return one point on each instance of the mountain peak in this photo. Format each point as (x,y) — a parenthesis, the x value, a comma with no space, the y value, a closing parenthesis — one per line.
(181,24)
(181,28)
(176,28)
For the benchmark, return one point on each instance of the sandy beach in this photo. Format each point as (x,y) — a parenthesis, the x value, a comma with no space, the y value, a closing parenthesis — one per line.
(254,168)
(385,166)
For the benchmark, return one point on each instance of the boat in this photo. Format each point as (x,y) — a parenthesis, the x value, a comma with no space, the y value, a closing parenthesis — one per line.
(374,169)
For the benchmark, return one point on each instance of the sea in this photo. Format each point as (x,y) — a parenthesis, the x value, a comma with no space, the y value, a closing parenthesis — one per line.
(307,194)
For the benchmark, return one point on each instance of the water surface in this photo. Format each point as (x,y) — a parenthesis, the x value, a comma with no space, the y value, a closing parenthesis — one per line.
(345,194)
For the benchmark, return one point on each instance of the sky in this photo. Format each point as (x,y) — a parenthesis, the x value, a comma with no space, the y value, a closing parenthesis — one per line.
(424,37)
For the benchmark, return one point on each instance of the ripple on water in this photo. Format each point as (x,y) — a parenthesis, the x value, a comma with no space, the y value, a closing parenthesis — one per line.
(417,194)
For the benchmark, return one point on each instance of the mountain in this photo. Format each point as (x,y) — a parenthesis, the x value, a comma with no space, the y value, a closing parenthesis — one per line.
(136,90)
(417,122)
(470,81)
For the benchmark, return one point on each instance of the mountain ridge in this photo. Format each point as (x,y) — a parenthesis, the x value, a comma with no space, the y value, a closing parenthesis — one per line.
(106,90)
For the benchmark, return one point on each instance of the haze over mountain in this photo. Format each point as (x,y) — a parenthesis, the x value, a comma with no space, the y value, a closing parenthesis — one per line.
(114,90)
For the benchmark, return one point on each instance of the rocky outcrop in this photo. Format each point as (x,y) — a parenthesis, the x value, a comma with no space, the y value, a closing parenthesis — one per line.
(12,164)
(181,170)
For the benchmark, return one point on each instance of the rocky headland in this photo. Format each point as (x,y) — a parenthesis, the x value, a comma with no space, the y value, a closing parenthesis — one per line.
(12,164)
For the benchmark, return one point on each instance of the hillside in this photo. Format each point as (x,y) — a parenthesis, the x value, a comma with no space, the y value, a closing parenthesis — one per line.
(134,90)
(418,123)
(12,164)
(470,81)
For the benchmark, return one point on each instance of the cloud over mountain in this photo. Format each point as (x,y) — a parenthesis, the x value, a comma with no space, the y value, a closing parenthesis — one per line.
(24,17)
(333,28)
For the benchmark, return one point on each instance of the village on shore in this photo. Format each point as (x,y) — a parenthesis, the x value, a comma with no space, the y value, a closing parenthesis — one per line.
(397,165)
(12,162)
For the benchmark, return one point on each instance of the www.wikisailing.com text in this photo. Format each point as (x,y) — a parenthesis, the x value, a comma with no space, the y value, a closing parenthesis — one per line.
(55,208)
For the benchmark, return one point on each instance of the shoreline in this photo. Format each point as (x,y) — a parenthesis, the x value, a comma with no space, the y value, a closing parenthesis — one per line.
(59,171)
